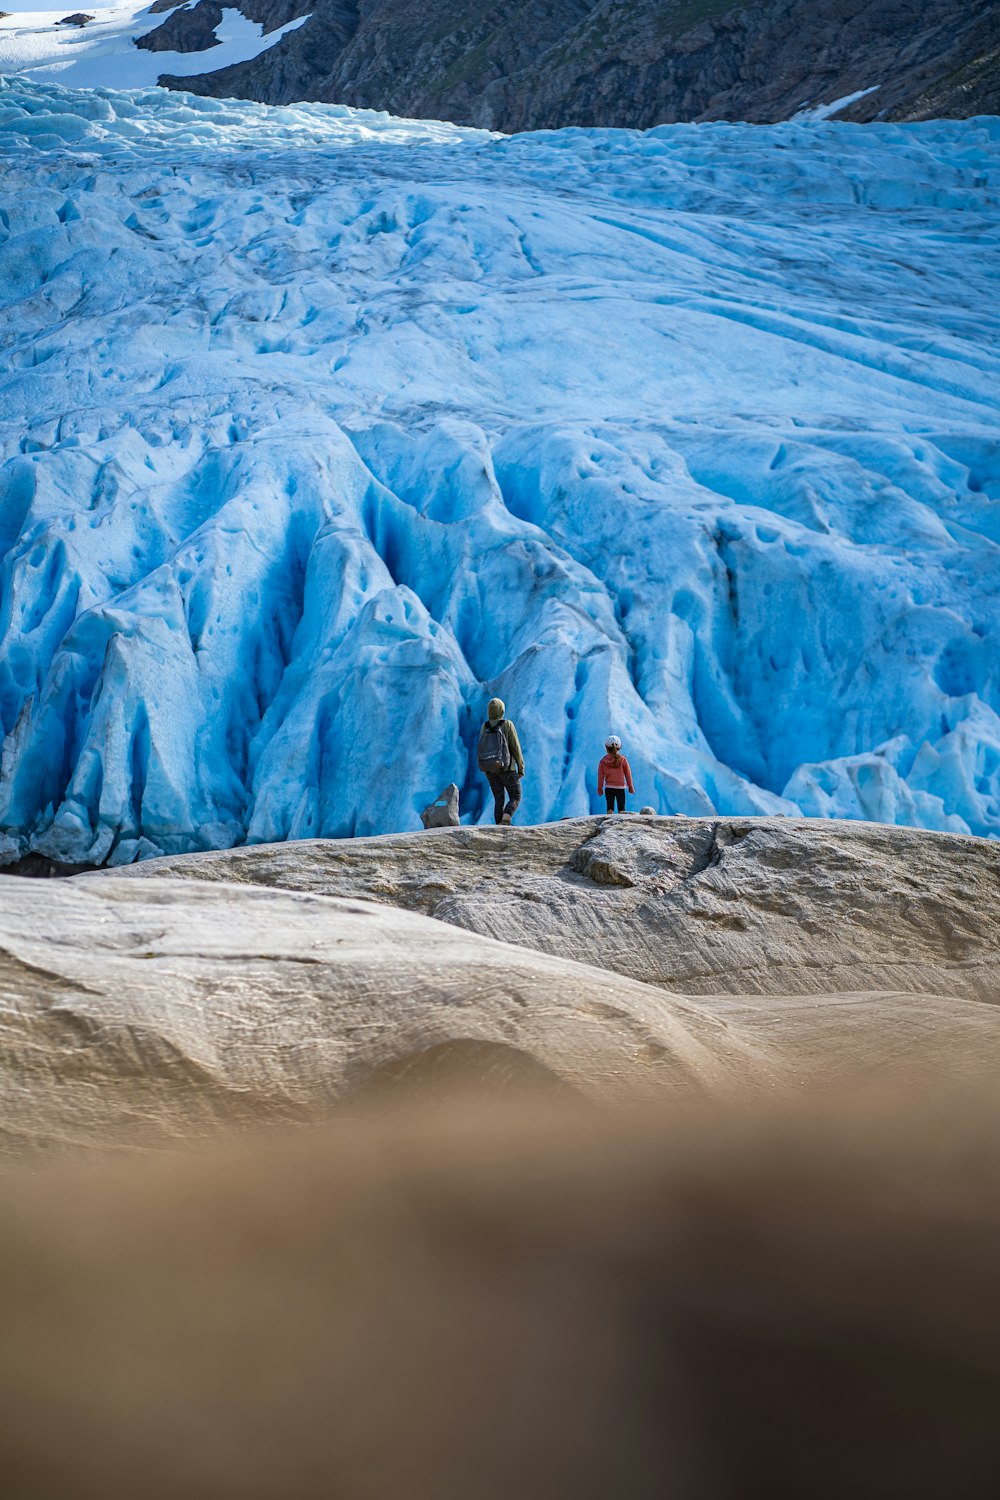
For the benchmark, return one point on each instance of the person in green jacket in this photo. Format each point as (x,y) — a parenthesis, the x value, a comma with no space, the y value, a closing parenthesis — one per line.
(501,761)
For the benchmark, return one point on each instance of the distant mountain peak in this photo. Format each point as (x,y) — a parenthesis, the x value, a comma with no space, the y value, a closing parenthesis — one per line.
(637,63)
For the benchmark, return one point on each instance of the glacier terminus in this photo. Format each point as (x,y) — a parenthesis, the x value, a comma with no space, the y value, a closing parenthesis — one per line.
(320,428)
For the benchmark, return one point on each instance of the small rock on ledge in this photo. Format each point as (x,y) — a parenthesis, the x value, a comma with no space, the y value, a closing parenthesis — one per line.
(443,811)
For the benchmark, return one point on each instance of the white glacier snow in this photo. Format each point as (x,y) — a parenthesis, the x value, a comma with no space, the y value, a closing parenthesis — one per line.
(34,44)
(319,428)
(827,111)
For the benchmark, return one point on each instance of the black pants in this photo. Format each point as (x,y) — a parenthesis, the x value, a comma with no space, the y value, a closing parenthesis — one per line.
(505,782)
(613,794)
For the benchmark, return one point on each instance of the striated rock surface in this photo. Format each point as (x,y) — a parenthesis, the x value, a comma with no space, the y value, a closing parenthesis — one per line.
(632,63)
(134,1012)
(756,906)
(180,996)
(272,984)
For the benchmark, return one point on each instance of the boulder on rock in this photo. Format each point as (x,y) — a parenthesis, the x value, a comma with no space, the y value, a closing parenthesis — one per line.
(443,811)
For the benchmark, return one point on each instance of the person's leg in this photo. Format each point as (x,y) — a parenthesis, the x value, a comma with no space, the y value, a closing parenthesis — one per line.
(497,788)
(513,784)
(620,798)
(609,797)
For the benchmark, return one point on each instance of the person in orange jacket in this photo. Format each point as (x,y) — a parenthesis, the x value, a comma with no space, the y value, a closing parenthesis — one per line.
(614,774)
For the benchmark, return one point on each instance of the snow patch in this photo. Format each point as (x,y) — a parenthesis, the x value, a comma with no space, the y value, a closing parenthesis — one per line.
(827,111)
(103,53)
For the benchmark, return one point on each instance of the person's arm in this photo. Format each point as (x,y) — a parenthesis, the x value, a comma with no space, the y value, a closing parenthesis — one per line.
(600,776)
(514,745)
(628,776)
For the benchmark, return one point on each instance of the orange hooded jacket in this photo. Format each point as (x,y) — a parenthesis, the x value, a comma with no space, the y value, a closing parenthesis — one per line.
(613,772)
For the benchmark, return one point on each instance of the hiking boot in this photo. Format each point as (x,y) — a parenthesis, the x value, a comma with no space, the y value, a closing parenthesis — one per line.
(506,819)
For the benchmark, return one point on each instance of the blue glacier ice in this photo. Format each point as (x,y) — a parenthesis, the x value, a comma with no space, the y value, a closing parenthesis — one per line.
(320,428)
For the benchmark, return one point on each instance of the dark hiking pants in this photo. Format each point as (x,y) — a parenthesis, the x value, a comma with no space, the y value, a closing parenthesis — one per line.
(613,794)
(502,782)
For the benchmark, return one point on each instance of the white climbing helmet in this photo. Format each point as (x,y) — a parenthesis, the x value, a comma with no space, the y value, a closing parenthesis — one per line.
(612,742)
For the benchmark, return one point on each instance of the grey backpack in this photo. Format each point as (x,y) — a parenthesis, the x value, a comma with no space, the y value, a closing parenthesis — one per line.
(493,750)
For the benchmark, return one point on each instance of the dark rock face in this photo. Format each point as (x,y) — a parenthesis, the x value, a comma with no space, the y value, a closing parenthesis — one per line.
(76,19)
(185,30)
(636,63)
(267,13)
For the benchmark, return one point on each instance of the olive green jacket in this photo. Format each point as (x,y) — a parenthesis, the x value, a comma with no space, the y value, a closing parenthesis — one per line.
(513,745)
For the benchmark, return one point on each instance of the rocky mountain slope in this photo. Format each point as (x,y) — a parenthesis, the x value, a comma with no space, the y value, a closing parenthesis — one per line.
(622,62)
(642,959)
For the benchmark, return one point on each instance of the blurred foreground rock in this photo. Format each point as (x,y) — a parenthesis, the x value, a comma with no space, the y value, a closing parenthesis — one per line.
(478,1279)
(554,1305)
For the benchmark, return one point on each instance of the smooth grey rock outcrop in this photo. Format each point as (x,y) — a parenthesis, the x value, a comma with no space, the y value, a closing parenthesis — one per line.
(139,1011)
(756,906)
(253,985)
